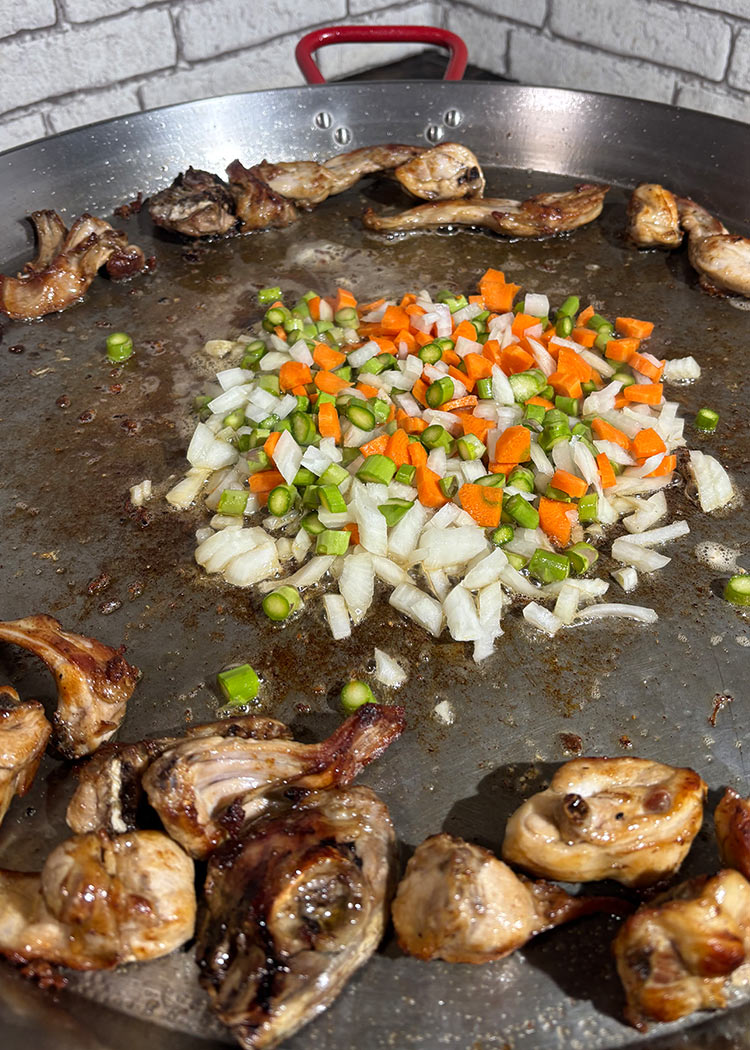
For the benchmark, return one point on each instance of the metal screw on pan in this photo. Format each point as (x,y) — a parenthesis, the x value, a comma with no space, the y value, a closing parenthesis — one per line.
(453,118)
(323,120)
(342,136)
(434,133)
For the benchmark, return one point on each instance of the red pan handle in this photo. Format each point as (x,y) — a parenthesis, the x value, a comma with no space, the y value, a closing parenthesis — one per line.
(380,34)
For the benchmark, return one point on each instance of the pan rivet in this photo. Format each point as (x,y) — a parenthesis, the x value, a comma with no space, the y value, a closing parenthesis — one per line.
(434,133)
(342,136)
(453,118)
(323,119)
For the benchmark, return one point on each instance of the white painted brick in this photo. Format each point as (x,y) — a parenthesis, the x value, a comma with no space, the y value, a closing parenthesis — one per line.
(485,38)
(261,67)
(714,100)
(97,105)
(52,64)
(215,27)
(553,63)
(739,72)
(16,15)
(669,34)
(341,60)
(741,8)
(20,130)
(89,10)
(533,12)
(363,7)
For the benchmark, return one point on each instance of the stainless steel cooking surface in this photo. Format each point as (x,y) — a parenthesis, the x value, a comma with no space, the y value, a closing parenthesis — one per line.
(77,433)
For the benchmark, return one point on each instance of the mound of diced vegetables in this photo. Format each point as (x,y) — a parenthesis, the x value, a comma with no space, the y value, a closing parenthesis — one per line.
(461,450)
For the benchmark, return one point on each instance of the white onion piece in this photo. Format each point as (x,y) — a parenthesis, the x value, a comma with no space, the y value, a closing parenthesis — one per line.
(230,377)
(300,351)
(585,463)
(626,577)
(630,486)
(315,459)
(337,616)
(461,615)
(646,467)
(714,487)
(614,610)
(376,315)
(287,456)
(663,535)
(614,452)
(466,346)
(542,618)
(389,572)
(681,370)
(277,343)
(419,607)
(604,368)
(542,356)
(502,391)
(301,544)
(363,353)
(286,406)
(466,313)
(206,450)
(436,461)
(647,513)
(451,546)
(310,573)
(541,460)
(373,529)
(562,457)
(449,420)
(641,558)
(536,304)
(589,590)
(472,469)
(602,400)
(408,404)
(566,605)
(184,492)
(404,536)
(357,585)
(514,581)
(253,566)
(228,400)
(438,582)
(273,360)
(218,347)
(388,671)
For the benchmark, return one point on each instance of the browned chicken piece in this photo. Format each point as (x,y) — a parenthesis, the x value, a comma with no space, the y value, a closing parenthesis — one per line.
(94,681)
(206,790)
(721,258)
(349,168)
(540,216)
(627,819)
(197,204)
(110,784)
(303,181)
(100,901)
(50,233)
(732,824)
(460,903)
(65,278)
(674,955)
(256,204)
(292,910)
(653,220)
(446,172)
(24,732)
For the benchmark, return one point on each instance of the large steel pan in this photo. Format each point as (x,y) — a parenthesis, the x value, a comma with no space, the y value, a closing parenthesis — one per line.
(66,522)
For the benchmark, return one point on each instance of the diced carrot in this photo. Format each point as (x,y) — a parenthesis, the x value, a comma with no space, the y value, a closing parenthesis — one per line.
(417,454)
(476,425)
(330,383)
(450,357)
(491,350)
(513,445)
(469,401)
(647,443)
(351,526)
(523,321)
(328,422)
(265,480)
(555,519)
(498,295)
(412,310)
(477,367)
(585,316)
(367,390)
(606,432)
(391,414)
(585,336)
(483,502)
(667,465)
(397,448)
(414,425)
(633,328)
(344,299)
(367,307)
(294,373)
(394,319)
(271,442)
(405,336)
(299,391)
(422,338)
(428,488)
(570,361)
(408,299)
(537,400)
(387,346)
(326,357)
(477,300)
(605,471)
(569,484)
(620,401)
(566,384)
(501,468)
(462,377)
(280,332)
(313,305)
(514,359)
(419,391)
(647,368)
(465,329)
(376,447)
(621,349)
(644,393)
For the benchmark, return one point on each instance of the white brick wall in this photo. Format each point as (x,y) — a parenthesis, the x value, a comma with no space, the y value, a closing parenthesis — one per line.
(64,63)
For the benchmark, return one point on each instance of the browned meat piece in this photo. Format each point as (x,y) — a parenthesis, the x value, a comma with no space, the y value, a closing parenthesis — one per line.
(257,205)
(94,681)
(292,910)
(674,956)
(732,823)
(50,233)
(446,172)
(302,181)
(349,168)
(460,903)
(627,819)
(100,901)
(722,259)
(540,216)
(197,204)
(653,220)
(109,785)
(66,277)
(206,790)
(24,732)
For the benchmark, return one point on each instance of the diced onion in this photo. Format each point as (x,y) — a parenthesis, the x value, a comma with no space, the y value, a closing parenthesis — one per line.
(388,671)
